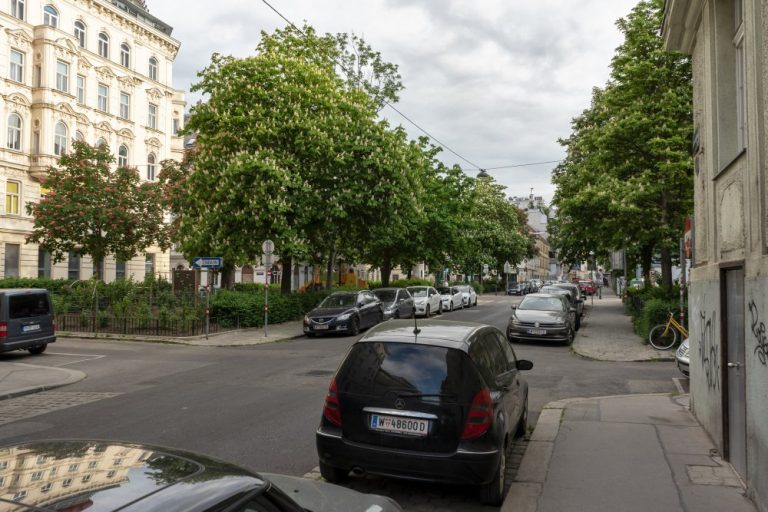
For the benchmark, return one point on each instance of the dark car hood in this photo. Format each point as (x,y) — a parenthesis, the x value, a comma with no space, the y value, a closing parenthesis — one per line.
(317,496)
(324,312)
(530,315)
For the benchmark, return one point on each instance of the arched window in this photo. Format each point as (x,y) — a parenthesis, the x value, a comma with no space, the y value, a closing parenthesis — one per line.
(122,156)
(79,136)
(14,132)
(153,68)
(50,16)
(151,167)
(125,55)
(80,33)
(100,142)
(60,139)
(104,45)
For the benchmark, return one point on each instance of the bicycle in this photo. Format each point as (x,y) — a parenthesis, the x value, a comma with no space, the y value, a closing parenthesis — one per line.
(664,336)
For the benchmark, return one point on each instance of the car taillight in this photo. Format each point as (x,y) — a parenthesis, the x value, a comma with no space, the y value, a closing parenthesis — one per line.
(3,329)
(331,409)
(480,417)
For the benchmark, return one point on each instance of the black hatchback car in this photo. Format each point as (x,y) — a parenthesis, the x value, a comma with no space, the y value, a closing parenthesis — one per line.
(440,404)
(346,312)
(26,320)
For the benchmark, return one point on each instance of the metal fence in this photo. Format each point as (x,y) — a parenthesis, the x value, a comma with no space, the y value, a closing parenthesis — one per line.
(141,326)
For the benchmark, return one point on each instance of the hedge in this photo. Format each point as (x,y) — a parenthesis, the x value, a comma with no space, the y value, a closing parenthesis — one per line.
(247,309)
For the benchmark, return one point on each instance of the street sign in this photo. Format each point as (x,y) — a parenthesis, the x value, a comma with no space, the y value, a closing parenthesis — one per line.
(507,267)
(268,247)
(485,269)
(207,262)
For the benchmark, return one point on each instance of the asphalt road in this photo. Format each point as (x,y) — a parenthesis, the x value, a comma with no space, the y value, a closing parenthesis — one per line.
(259,406)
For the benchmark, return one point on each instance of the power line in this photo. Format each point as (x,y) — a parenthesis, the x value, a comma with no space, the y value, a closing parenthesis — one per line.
(358,80)
(514,165)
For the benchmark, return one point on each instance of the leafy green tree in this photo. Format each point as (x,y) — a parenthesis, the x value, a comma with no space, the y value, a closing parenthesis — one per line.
(91,209)
(627,179)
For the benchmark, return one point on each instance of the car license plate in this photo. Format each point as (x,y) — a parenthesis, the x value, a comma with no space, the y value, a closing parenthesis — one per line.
(320,327)
(394,424)
(537,331)
(33,327)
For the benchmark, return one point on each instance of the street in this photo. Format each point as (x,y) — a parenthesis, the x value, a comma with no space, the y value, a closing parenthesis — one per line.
(259,406)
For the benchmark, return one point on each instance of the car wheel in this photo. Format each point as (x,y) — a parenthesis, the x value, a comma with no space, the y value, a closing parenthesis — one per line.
(397,314)
(451,308)
(426,312)
(36,351)
(578,324)
(354,326)
(571,336)
(331,474)
(492,493)
(379,317)
(522,425)
(440,308)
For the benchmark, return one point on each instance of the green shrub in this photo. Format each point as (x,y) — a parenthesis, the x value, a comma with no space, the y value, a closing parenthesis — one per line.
(655,312)
(247,309)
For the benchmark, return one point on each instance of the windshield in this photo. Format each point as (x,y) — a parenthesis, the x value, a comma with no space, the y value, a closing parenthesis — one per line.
(419,292)
(541,304)
(445,291)
(346,300)
(554,291)
(385,295)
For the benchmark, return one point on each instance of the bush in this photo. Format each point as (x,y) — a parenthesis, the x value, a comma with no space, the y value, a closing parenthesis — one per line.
(655,312)
(637,297)
(231,307)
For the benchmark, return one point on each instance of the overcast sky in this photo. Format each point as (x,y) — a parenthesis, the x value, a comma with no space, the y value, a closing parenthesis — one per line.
(498,81)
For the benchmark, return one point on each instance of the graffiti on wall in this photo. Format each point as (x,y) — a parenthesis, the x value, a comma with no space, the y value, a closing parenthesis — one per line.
(709,352)
(758,330)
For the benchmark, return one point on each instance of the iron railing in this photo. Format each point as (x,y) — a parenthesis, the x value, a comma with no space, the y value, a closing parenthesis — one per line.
(96,323)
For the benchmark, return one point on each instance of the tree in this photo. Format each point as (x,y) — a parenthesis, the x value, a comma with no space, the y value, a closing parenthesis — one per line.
(627,179)
(90,209)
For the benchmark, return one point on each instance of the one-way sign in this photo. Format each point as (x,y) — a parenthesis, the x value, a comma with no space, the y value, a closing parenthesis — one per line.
(207,262)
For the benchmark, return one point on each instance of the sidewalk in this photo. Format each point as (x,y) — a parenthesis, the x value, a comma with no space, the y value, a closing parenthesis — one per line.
(18,379)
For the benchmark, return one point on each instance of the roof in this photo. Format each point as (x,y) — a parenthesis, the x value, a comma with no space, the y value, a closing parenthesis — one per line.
(15,291)
(443,333)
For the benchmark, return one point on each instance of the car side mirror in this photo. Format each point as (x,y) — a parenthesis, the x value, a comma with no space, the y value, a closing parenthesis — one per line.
(524,364)
(514,307)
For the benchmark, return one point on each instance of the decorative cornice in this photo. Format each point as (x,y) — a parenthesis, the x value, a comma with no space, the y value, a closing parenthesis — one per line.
(129,82)
(125,132)
(19,38)
(18,99)
(105,126)
(153,142)
(105,74)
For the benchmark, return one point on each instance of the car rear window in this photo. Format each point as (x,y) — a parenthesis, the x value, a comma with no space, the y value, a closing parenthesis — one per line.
(27,305)
(375,368)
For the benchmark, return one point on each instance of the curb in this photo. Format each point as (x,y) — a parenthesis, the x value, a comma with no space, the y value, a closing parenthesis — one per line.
(188,341)
(524,492)
(72,377)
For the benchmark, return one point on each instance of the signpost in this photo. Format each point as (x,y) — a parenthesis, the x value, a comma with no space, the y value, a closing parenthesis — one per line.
(209,263)
(507,268)
(268,248)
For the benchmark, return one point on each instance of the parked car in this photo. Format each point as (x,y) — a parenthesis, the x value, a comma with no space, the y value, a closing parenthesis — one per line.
(426,300)
(451,297)
(26,320)
(577,297)
(157,479)
(567,292)
(396,302)
(588,287)
(682,357)
(542,317)
(438,404)
(346,312)
(468,295)
(515,289)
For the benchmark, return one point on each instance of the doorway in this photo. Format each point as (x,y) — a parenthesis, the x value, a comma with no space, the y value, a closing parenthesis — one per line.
(734,351)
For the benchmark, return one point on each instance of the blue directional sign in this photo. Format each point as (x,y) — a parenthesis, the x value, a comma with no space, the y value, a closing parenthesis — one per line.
(207,262)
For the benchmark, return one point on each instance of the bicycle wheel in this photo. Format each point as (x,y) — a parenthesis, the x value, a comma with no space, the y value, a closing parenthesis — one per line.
(662,338)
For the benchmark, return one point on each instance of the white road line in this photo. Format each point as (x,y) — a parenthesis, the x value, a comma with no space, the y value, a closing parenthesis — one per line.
(678,385)
(88,357)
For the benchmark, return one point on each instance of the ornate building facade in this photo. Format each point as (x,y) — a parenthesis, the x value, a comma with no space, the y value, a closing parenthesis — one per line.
(99,71)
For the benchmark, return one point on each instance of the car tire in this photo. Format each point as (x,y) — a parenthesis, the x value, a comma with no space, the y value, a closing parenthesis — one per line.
(578,324)
(426,312)
(354,326)
(397,314)
(379,318)
(36,351)
(571,336)
(450,310)
(331,474)
(440,308)
(522,425)
(492,493)
(475,301)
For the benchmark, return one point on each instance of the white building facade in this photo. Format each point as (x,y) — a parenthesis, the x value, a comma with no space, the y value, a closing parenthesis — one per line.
(99,71)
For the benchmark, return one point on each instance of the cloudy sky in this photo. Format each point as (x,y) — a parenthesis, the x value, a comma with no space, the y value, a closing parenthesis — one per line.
(497,81)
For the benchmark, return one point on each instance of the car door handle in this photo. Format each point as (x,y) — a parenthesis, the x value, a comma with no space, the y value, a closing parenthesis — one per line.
(734,365)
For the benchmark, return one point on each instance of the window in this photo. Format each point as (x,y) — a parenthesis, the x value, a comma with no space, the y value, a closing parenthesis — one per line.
(53,471)
(117,462)
(103,98)
(12,197)
(19,495)
(122,156)
(50,16)
(153,68)
(60,139)
(73,274)
(152,116)
(100,142)
(41,459)
(12,260)
(119,269)
(81,89)
(151,167)
(176,126)
(86,478)
(104,45)
(93,464)
(17,8)
(37,475)
(67,482)
(125,55)
(14,132)
(125,105)
(149,264)
(62,76)
(80,33)
(111,474)
(46,487)
(17,66)
(79,136)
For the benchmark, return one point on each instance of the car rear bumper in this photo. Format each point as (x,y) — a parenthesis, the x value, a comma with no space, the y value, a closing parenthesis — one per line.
(331,329)
(556,335)
(8,346)
(459,467)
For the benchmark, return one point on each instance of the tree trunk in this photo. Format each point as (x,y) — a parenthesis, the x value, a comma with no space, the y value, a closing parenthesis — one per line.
(98,263)
(287,275)
(646,257)
(329,270)
(386,271)
(228,276)
(666,268)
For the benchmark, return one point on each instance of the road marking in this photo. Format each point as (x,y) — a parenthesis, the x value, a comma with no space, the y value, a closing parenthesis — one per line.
(678,385)
(314,474)
(88,357)
(29,406)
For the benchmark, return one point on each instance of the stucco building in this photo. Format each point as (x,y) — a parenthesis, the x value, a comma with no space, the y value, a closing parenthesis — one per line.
(728,294)
(93,70)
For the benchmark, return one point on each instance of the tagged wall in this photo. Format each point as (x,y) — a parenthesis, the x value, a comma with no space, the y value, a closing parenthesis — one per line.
(756,340)
(706,364)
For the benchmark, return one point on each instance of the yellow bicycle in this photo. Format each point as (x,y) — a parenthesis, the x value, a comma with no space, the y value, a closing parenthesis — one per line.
(664,336)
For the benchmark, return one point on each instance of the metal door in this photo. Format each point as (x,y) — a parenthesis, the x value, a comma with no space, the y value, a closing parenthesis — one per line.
(736,371)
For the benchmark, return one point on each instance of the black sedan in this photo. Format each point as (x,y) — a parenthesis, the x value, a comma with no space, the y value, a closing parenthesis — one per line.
(346,312)
(397,302)
(515,289)
(106,476)
(542,317)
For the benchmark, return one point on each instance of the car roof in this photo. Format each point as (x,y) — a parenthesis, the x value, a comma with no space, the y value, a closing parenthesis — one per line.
(560,290)
(19,291)
(441,333)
